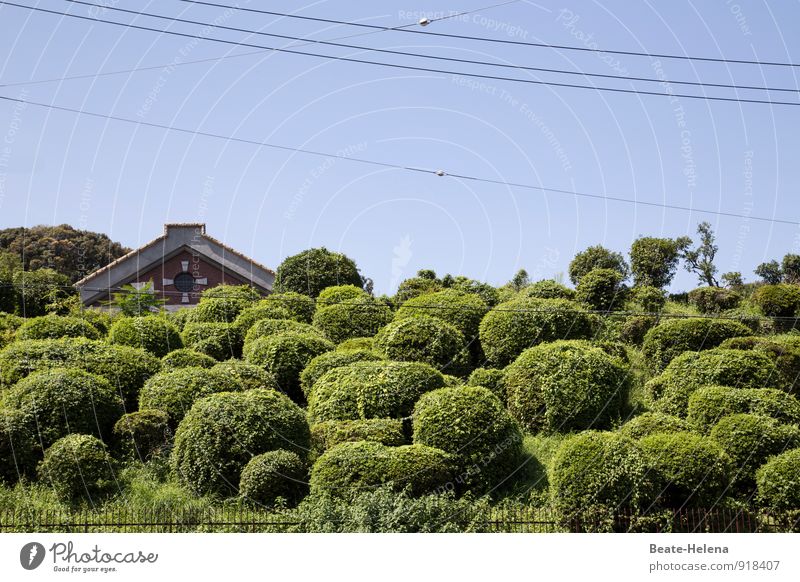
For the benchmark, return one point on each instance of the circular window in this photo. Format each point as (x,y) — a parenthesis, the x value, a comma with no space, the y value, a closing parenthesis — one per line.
(184,282)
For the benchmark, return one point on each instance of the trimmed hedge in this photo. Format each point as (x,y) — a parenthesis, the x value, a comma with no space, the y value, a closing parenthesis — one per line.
(547,289)
(222,432)
(311,271)
(270,327)
(689,470)
(78,467)
(221,341)
(153,334)
(285,355)
(785,355)
(781,300)
(511,327)
(350,467)
(565,385)
(64,401)
(749,440)
(356,343)
(671,338)
(649,299)
(490,378)
(371,390)
(737,368)
(300,306)
(472,425)
(19,448)
(387,431)
(714,299)
(317,367)
(175,391)
(142,434)
(652,423)
(425,339)
(185,358)
(634,329)
(274,474)
(707,405)
(246,376)
(601,289)
(55,327)
(223,303)
(361,317)
(250,316)
(462,310)
(340,294)
(778,482)
(241,293)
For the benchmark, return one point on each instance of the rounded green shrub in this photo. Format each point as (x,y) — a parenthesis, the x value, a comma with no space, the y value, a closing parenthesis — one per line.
(566,385)
(781,300)
(246,376)
(78,467)
(64,401)
(299,305)
(269,327)
(749,440)
(241,293)
(425,339)
(671,338)
(317,367)
(362,390)
(142,434)
(361,317)
(348,468)
(185,358)
(737,368)
(19,446)
(596,257)
(547,289)
(511,327)
(463,311)
(689,470)
(714,299)
(387,431)
(285,355)
(222,432)
(357,343)
(648,299)
(262,310)
(709,404)
(778,482)
(340,294)
(490,378)
(221,341)
(601,289)
(472,425)
(223,303)
(785,355)
(180,317)
(312,270)
(274,474)
(635,327)
(153,334)
(652,423)
(55,327)
(175,391)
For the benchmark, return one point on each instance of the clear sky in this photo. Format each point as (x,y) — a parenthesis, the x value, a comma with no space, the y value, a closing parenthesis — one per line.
(127,180)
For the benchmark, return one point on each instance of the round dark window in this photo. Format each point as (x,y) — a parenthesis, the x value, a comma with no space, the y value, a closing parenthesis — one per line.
(184,282)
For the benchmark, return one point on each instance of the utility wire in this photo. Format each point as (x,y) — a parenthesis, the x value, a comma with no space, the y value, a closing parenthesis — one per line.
(307,41)
(417,68)
(440,173)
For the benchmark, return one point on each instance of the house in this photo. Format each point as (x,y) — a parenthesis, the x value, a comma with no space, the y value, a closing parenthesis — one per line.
(181,263)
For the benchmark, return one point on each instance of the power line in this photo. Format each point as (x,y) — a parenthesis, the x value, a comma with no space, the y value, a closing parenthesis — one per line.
(394,166)
(417,68)
(508,41)
(307,41)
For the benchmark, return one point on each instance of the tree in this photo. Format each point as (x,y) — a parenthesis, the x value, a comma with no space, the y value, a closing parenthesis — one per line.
(312,270)
(135,302)
(770,272)
(701,259)
(520,280)
(791,268)
(9,264)
(596,257)
(654,261)
(732,280)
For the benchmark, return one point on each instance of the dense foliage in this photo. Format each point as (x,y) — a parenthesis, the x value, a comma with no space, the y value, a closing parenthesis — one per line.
(387,431)
(154,334)
(78,467)
(55,327)
(425,339)
(311,271)
(358,317)
(273,475)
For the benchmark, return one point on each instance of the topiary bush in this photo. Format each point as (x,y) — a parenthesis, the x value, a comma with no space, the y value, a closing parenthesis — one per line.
(356,343)
(714,299)
(602,289)
(64,401)
(652,423)
(142,434)
(56,327)
(299,305)
(364,390)
(78,467)
(387,431)
(709,404)
(749,440)
(252,315)
(778,482)
(463,311)
(785,355)
(19,447)
(737,368)
(425,339)
(241,293)
(185,358)
(648,299)
(153,334)
(781,300)
(547,289)
(490,378)
(349,468)
(270,327)
(689,470)
(634,328)
(274,474)
(221,341)
(285,355)
(223,303)
(330,360)
(175,391)
(511,327)
(222,432)
(361,317)
(472,425)
(340,294)
(312,270)
(565,385)
(671,338)
(245,376)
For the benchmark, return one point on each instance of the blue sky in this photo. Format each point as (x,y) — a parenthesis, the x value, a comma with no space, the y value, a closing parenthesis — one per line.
(127,180)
